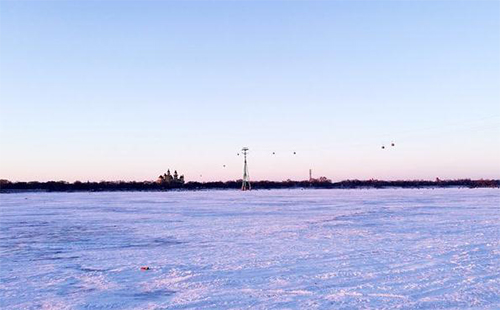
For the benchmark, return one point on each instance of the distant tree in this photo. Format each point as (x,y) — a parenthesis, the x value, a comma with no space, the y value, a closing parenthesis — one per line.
(324,180)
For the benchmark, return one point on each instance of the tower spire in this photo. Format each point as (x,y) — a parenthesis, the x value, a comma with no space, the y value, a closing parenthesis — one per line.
(245,185)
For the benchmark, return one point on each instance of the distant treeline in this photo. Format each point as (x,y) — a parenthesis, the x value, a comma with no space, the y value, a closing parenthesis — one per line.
(62,186)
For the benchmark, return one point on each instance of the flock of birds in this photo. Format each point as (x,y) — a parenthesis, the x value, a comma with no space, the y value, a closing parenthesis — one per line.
(384,146)
(473,126)
(392,144)
(295,153)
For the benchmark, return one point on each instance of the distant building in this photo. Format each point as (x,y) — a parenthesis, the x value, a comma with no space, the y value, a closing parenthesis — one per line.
(168,178)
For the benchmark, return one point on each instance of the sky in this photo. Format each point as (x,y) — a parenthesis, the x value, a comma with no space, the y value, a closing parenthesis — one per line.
(124,90)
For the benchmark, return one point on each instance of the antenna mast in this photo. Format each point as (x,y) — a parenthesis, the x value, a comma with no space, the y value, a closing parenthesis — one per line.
(245,185)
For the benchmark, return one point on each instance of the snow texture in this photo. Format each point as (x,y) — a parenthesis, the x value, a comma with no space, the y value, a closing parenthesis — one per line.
(278,249)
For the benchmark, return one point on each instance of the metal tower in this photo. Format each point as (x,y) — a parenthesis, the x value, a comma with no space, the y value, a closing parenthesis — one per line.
(245,185)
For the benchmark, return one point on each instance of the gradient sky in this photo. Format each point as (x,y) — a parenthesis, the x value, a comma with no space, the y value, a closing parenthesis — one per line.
(123,90)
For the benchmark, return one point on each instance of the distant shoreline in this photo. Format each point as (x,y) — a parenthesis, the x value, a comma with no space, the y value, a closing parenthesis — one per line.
(150,186)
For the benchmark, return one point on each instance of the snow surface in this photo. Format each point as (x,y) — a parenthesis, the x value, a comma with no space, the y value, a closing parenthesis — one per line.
(279,249)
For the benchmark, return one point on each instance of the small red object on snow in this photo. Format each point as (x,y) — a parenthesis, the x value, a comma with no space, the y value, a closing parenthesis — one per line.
(144,268)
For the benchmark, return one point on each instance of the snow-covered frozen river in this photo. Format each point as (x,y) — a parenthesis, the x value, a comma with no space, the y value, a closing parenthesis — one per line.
(279,249)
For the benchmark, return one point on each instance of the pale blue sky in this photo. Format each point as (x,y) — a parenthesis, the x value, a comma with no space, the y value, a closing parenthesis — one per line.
(95,90)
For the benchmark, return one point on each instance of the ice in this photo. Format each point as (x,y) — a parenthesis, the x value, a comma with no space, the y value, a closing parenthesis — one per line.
(278,249)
